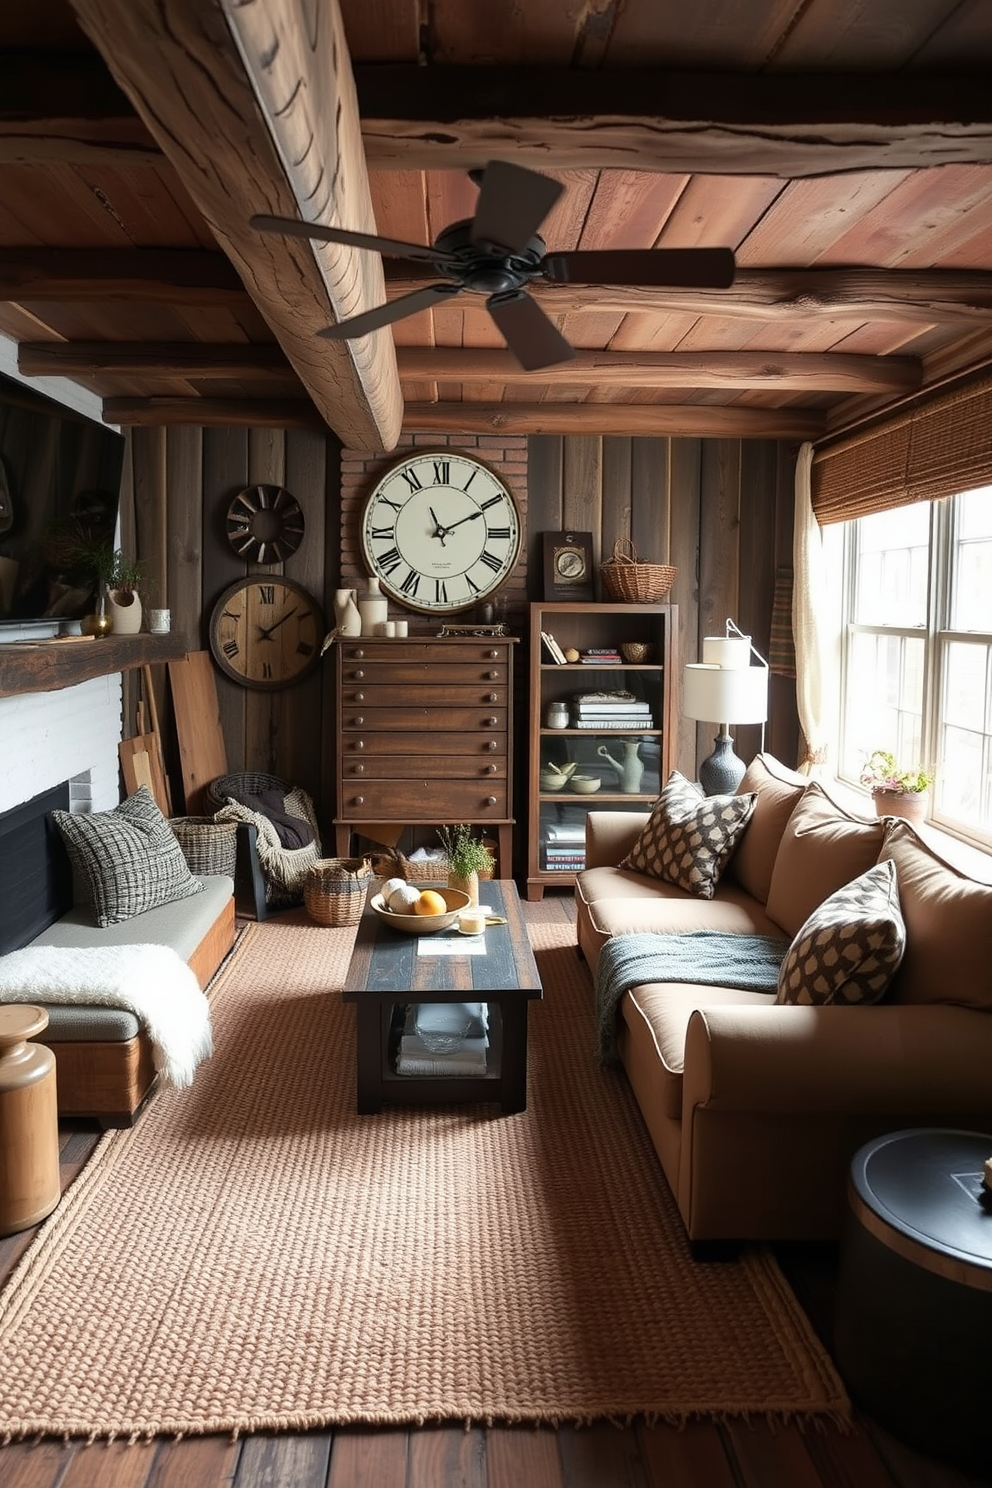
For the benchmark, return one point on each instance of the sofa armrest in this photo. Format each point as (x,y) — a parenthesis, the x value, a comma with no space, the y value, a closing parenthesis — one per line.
(610,835)
(838,1061)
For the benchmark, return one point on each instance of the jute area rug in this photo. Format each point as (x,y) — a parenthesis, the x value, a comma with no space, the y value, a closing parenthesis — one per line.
(255,1255)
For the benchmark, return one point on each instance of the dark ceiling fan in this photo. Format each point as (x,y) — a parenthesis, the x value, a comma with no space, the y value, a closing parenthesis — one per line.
(497,253)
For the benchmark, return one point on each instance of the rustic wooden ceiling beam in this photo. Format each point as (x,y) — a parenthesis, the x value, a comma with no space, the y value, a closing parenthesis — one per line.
(255,108)
(59,106)
(793,371)
(160,276)
(780,124)
(256,413)
(692,420)
(150,359)
(926,297)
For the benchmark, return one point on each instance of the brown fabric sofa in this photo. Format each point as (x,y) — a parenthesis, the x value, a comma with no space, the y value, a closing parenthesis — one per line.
(756,1108)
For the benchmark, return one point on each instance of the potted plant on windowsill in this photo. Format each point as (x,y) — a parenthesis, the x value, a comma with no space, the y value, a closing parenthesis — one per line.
(895,791)
(468,857)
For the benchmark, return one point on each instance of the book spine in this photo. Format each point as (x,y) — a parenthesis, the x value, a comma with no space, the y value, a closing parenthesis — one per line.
(632,725)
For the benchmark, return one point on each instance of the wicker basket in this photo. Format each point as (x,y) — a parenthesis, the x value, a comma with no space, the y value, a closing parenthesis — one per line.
(208,846)
(334,890)
(625,577)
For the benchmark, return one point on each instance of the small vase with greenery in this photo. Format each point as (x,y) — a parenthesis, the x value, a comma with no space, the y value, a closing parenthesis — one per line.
(467,856)
(896,791)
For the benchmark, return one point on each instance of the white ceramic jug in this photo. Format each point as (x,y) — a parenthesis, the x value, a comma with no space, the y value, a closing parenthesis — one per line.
(346,614)
(373,606)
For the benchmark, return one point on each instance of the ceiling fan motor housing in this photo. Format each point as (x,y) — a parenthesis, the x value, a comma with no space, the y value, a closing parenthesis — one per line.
(487,269)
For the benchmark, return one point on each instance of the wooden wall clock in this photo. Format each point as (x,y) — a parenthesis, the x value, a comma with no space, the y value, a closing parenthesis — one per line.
(441,531)
(265,524)
(266,632)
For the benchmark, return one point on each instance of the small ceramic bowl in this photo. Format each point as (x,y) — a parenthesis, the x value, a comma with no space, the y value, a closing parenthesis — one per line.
(586,785)
(552,780)
(636,651)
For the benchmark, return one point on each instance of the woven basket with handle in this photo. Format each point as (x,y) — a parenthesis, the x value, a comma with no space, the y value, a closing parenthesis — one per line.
(334,890)
(625,577)
(208,846)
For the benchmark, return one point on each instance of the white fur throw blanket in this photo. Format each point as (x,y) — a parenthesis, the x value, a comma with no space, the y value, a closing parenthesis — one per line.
(151,981)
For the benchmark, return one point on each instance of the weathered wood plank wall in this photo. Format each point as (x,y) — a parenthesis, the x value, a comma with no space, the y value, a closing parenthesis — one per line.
(720,511)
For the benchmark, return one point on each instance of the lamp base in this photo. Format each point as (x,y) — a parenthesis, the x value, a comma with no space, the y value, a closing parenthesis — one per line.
(722,771)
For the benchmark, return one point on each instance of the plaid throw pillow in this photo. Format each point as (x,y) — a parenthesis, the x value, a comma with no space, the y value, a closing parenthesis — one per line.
(689,837)
(129,858)
(850,948)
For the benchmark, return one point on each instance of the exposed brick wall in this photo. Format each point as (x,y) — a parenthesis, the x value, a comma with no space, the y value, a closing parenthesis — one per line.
(506,453)
(49,737)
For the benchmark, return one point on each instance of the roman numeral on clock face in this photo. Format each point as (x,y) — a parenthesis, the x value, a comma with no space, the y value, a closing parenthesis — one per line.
(500,533)
(487,558)
(412,479)
(385,533)
(442,470)
(411,583)
(389,560)
(266,593)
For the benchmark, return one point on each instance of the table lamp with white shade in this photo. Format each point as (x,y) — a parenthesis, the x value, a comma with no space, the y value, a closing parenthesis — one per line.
(724,688)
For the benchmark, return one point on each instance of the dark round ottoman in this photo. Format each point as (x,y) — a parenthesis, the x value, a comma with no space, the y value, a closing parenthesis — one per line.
(913,1324)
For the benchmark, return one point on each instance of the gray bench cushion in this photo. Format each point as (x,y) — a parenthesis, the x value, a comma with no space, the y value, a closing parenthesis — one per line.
(181,925)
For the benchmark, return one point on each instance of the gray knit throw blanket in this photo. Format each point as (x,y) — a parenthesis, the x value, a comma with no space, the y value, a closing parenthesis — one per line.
(713,957)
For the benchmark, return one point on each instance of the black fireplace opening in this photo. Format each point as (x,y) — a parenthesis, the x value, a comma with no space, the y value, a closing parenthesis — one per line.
(35,873)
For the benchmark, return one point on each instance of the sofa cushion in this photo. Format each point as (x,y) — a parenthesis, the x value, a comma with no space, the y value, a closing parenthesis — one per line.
(948,926)
(129,859)
(778,790)
(689,837)
(823,848)
(850,947)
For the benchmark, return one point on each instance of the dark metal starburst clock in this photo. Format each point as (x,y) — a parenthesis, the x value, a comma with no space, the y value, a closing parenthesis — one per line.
(265,524)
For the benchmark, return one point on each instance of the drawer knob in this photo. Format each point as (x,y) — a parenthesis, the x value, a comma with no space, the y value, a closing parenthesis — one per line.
(358,801)
(359,744)
(358,653)
(492,697)
(359,770)
(358,719)
(493,676)
(491,744)
(490,800)
(492,655)
(490,769)
(359,675)
(489,722)
(359,697)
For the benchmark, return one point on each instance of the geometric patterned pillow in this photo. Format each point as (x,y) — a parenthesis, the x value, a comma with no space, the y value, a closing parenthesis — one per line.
(689,837)
(129,858)
(850,947)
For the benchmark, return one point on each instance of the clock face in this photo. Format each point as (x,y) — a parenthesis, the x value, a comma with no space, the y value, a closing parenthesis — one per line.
(265,524)
(441,531)
(266,632)
(570,563)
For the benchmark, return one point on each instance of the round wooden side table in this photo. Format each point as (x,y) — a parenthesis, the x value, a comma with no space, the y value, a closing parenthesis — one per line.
(913,1318)
(29,1126)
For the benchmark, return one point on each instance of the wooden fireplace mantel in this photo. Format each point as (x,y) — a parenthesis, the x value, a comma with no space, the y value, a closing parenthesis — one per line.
(58,662)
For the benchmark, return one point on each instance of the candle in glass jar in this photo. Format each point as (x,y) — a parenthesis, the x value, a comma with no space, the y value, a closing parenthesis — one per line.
(472,921)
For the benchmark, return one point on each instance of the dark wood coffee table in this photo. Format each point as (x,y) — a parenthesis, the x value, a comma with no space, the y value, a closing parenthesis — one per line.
(387,973)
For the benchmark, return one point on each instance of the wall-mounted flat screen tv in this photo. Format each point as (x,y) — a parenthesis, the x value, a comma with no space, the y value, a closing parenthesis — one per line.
(60,481)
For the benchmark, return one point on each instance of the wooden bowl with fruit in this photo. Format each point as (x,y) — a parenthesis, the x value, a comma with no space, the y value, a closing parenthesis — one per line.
(418,909)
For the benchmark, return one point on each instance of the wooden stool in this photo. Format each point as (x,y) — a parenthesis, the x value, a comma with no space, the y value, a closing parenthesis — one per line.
(29,1126)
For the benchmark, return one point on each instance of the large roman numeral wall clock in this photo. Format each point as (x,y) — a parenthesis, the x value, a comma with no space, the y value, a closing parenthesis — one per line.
(441,531)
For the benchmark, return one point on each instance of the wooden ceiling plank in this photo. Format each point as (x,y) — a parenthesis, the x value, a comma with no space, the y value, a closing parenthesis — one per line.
(835,373)
(156,358)
(160,276)
(163,412)
(611,418)
(775,123)
(214,84)
(951,295)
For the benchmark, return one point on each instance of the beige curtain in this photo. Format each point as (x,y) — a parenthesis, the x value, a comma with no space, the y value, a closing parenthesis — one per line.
(808,610)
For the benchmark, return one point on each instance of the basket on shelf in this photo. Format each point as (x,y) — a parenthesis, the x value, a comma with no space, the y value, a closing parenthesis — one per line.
(625,577)
(208,846)
(334,890)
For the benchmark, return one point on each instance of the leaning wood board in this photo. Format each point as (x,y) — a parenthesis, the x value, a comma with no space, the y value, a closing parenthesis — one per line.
(202,755)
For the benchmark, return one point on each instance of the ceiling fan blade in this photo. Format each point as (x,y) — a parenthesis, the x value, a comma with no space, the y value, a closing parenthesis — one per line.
(513,202)
(690,268)
(382,315)
(534,339)
(290,227)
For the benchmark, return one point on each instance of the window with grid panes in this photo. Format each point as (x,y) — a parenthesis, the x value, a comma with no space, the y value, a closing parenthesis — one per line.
(916,651)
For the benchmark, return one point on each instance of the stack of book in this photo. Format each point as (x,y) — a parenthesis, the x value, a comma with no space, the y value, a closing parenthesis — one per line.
(565,847)
(610,710)
(601,656)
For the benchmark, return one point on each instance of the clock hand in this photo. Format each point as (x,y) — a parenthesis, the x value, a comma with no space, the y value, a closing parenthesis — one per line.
(439,531)
(470,518)
(266,630)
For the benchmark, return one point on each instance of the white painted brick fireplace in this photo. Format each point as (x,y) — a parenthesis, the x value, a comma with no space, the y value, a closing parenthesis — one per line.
(49,737)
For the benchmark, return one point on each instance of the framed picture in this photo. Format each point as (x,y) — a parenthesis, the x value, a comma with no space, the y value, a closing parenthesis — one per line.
(568,571)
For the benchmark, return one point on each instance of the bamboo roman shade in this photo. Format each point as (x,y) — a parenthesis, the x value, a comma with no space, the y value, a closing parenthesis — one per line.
(937,447)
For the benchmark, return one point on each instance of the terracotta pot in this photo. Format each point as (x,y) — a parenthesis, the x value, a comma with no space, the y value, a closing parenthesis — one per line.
(910,805)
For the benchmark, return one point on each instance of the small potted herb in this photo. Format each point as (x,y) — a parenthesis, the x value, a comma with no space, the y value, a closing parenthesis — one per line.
(468,857)
(897,791)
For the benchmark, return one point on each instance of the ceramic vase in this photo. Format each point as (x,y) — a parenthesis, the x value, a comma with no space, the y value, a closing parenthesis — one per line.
(373,607)
(346,613)
(469,884)
(910,805)
(630,768)
(100,622)
(126,617)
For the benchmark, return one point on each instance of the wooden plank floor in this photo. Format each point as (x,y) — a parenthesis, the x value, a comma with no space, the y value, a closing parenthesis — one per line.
(703,1455)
